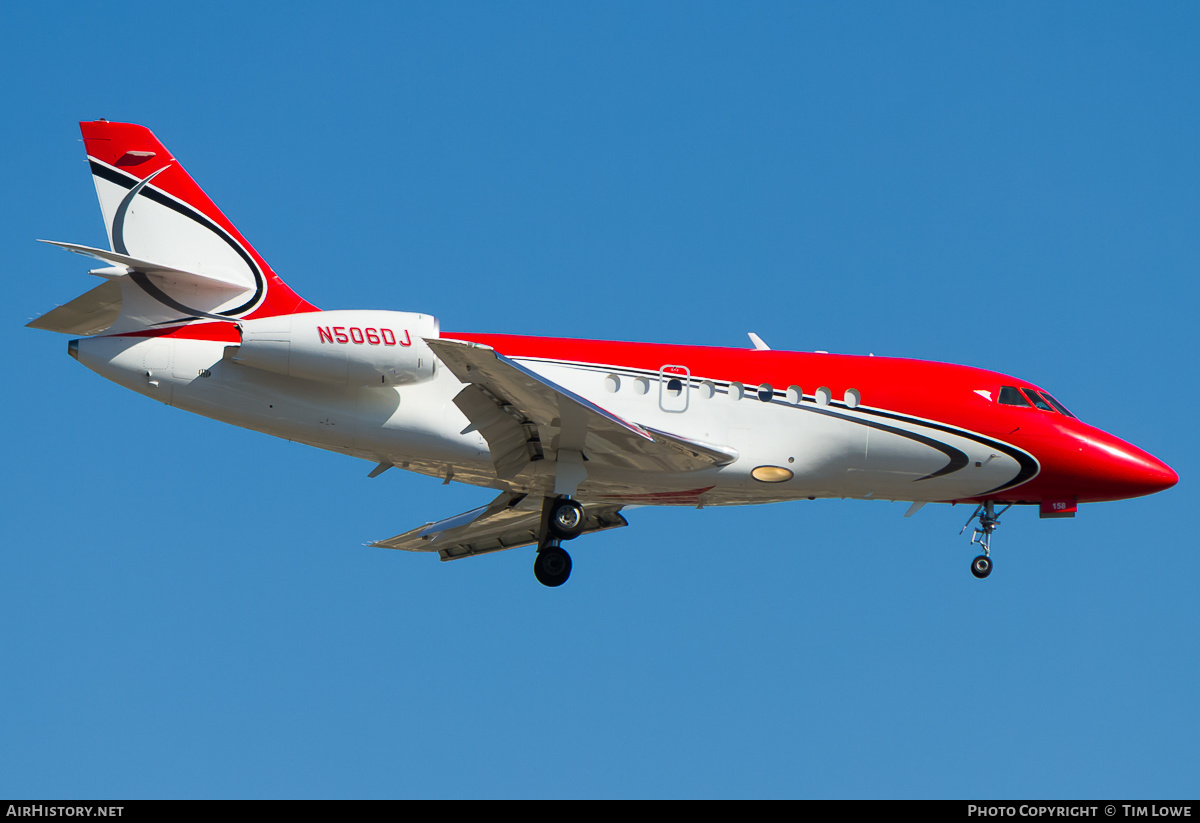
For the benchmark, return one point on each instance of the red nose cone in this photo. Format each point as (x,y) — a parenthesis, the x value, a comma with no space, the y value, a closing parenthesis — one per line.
(1120,470)
(1155,475)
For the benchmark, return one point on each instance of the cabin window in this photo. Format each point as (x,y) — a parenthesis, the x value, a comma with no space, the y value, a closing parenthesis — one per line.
(765,393)
(794,395)
(641,385)
(1009,396)
(707,390)
(612,383)
(736,391)
(674,387)
(853,398)
(824,395)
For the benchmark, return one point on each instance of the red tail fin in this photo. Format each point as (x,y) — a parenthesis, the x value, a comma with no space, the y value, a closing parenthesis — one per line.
(154,211)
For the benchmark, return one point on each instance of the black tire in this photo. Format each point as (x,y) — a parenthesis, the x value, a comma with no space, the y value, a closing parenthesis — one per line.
(981,566)
(566,519)
(552,566)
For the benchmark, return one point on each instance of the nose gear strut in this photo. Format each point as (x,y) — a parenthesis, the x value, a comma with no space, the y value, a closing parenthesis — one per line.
(981,566)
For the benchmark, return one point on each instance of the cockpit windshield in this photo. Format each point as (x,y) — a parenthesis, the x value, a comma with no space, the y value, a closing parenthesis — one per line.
(1061,408)
(1028,396)
(1037,399)
(1009,396)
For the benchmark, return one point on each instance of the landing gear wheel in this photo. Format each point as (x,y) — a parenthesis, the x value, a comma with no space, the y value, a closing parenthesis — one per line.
(981,566)
(552,566)
(566,519)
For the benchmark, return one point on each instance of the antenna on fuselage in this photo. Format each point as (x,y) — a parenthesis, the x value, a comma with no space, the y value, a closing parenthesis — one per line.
(758,342)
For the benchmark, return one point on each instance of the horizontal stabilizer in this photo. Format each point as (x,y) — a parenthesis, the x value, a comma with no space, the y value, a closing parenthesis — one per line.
(89,313)
(508,522)
(168,274)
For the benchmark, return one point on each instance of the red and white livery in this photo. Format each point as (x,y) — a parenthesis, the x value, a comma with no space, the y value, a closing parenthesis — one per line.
(568,432)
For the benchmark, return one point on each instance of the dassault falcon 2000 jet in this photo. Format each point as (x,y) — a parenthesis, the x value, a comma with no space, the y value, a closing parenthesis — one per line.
(567,432)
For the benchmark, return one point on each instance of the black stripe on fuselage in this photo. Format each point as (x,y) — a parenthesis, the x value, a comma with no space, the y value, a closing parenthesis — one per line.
(1028,465)
(127,181)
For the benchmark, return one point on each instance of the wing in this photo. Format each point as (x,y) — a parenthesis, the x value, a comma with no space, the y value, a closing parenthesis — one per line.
(509,521)
(524,417)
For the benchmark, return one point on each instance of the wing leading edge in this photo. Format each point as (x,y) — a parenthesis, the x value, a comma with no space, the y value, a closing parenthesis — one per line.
(526,418)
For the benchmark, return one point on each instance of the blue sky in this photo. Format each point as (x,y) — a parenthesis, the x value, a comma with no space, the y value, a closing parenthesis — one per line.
(1011,186)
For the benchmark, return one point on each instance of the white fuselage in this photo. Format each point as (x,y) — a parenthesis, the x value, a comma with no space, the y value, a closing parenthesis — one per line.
(825,445)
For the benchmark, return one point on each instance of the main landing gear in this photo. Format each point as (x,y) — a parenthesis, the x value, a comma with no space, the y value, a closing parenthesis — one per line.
(981,566)
(562,519)
(552,566)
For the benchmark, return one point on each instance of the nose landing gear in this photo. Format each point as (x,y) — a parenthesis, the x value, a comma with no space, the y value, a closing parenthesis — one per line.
(981,566)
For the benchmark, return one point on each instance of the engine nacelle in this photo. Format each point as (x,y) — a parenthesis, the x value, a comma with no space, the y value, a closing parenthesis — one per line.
(349,348)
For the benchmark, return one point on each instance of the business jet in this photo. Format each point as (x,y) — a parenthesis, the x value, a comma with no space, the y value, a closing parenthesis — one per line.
(567,432)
